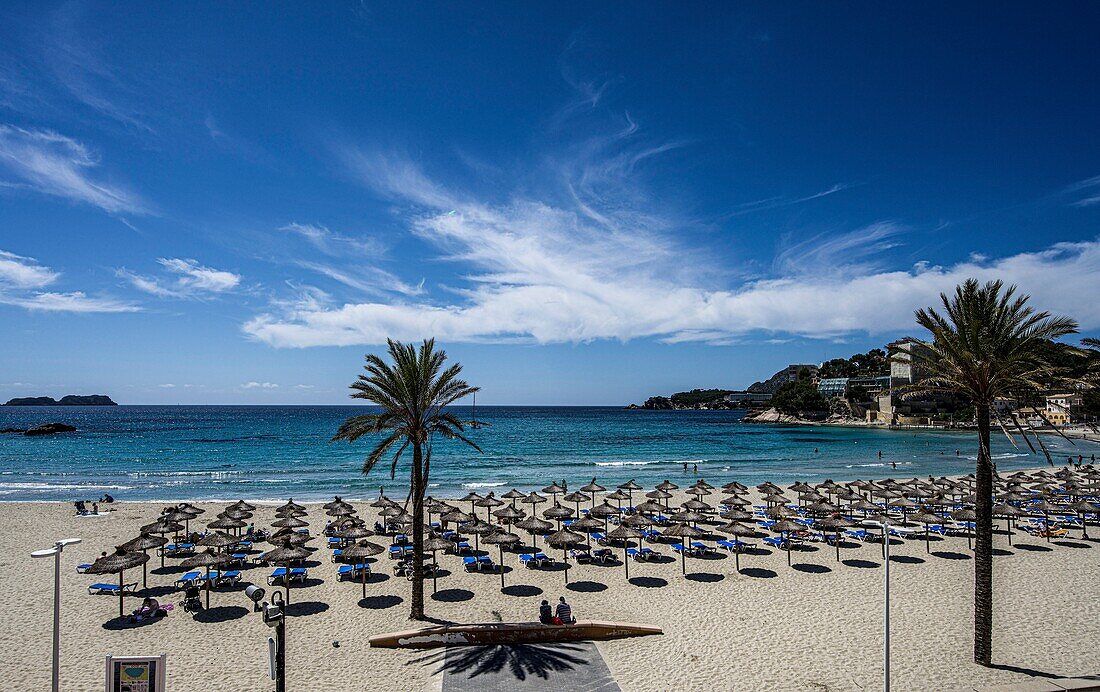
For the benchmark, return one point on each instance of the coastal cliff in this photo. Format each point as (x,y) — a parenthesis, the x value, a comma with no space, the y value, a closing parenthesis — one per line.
(70,400)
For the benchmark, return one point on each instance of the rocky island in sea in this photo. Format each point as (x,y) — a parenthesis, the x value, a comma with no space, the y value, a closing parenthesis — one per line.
(69,400)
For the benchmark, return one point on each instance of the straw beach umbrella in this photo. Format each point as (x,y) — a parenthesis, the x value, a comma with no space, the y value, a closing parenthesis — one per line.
(565,539)
(925,517)
(207,559)
(968,515)
(785,527)
(435,544)
(588,525)
(737,530)
(161,527)
(289,523)
(683,532)
(361,551)
(143,543)
(117,563)
(630,486)
(1009,512)
(217,539)
(534,526)
(624,533)
(284,554)
(501,539)
(479,528)
(1082,507)
(836,524)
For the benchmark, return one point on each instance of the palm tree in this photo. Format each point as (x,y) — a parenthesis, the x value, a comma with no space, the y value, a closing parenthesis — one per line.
(988,344)
(413,392)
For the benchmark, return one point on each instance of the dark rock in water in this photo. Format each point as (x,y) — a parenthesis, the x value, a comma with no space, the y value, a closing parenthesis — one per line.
(12,430)
(70,400)
(49,429)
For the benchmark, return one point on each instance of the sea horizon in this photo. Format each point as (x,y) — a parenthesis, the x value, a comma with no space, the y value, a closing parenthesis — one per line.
(166,453)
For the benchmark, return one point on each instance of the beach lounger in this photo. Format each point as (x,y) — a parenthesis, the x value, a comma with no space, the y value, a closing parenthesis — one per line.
(581,556)
(528,560)
(734,546)
(228,578)
(603,556)
(463,548)
(177,549)
(338,555)
(397,551)
(599,538)
(702,548)
(281,574)
(111,589)
(188,579)
(81,569)
(352,571)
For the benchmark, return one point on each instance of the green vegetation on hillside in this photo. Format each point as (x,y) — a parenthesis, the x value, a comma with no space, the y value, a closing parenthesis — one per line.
(698,396)
(794,398)
(870,364)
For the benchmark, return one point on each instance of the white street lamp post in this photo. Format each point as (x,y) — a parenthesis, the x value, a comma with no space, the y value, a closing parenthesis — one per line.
(56,551)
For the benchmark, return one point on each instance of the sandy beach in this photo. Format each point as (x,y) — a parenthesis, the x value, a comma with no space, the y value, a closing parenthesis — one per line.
(816,626)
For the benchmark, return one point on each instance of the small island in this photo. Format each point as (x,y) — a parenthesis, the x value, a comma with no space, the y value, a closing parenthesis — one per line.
(70,400)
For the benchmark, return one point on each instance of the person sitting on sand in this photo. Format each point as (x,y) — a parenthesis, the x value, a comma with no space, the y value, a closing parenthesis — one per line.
(150,608)
(564,613)
(80,507)
(546,613)
(95,508)
(250,531)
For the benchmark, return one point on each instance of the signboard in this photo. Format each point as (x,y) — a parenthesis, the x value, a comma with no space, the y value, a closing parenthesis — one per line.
(135,673)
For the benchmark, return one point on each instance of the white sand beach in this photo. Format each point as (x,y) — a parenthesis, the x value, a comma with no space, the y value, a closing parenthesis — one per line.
(817,626)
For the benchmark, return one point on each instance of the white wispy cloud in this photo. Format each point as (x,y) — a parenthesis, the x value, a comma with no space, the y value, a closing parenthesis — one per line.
(74,301)
(1086,191)
(259,385)
(24,272)
(547,274)
(21,277)
(336,244)
(186,278)
(60,166)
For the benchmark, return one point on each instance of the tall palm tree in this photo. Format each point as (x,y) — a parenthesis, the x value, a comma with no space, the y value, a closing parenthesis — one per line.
(987,344)
(413,392)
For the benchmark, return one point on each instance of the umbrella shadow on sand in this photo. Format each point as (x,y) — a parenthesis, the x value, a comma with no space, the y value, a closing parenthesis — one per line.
(125,623)
(522,660)
(811,568)
(380,602)
(649,582)
(586,586)
(861,564)
(302,608)
(759,572)
(521,590)
(706,577)
(221,614)
(452,595)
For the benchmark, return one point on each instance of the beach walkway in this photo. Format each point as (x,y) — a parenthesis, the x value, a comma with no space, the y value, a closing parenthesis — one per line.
(576,666)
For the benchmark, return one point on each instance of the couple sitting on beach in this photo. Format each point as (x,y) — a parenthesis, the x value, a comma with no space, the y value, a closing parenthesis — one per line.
(150,609)
(563,616)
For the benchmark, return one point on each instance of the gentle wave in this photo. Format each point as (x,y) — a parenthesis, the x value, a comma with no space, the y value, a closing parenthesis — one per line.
(46,487)
(1005,455)
(482,485)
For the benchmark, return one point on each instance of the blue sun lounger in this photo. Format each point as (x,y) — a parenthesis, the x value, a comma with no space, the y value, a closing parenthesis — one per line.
(599,537)
(397,551)
(188,579)
(352,571)
(477,564)
(533,560)
(111,589)
(280,575)
(81,569)
(227,578)
(702,548)
(733,546)
(462,547)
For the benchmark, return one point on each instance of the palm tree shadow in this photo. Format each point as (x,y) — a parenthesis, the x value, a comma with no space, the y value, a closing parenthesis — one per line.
(522,660)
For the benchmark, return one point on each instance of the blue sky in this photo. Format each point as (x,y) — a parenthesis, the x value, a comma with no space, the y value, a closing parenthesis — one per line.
(208,203)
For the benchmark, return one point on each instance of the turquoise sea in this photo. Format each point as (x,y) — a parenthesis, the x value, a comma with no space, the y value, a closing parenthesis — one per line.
(275,452)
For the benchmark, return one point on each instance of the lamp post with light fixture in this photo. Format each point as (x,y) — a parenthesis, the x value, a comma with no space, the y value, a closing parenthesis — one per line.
(56,551)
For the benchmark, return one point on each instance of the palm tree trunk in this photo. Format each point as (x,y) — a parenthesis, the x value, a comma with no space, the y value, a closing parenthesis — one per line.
(417,489)
(983,546)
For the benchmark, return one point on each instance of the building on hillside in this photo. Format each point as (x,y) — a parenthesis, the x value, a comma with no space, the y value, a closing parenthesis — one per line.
(905,369)
(1063,409)
(833,387)
(1004,406)
(748,398)
(873,386)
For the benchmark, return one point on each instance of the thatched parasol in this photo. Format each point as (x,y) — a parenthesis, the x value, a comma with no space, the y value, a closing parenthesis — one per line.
(785,527)
(553,490)
(588,525)
(513,495)
(683,532)
(479,528)
(289,523)
(836,524)
(534,526)
(557,513)
(925,517)
(226,523)
(143,543)
(361,551)
(207,558)
(737,530)
(1081,507)
(117,563)
(242,505)
(966,514)
(435,544)
(488,501)
(217,539)
(336,502)
(624,533)
(630,486)
(340,511)
(595,487)
(577,498)
(285,554)
(501,539)
(564,539)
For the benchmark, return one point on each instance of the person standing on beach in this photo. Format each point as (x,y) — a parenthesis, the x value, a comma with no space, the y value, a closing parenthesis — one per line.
(685,467)
(695,468)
